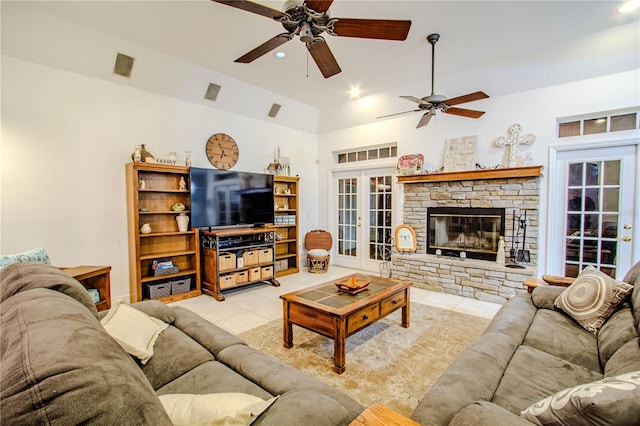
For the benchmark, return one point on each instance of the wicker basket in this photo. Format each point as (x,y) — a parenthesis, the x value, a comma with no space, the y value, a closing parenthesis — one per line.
(254,274)
(227,281)
(251,257)
(159,290)
(242,277)
(266,272)
(227,261)
(265,255)
(181,286)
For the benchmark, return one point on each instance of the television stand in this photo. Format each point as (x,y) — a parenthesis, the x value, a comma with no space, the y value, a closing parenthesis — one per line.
(236,257)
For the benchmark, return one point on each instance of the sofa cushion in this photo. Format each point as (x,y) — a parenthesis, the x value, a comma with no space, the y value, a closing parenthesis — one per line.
(592,298)
(617,331)
(278,378)
(533,374)
(544,297)
(212,337)
(633,277)
(156,309)
(213,377)
(514,318)
(215,409)
(134,330)
(60,367)
(610,401)
(483,413)
(624,360)
(21,277)
(473,376)
(305,407)
(568,340)
(37,255)
(175,353)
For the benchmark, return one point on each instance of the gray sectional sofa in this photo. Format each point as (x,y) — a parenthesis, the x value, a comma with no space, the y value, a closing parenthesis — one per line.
(60,367)
(530,351)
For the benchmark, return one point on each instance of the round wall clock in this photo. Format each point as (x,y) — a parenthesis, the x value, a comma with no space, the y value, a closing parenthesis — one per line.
(222,151)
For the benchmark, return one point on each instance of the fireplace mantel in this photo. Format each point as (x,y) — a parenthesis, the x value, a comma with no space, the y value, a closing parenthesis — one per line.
(506,173)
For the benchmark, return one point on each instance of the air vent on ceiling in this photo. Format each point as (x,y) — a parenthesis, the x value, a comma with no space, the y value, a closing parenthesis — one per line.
(275,108)
(124,65)
(212,92)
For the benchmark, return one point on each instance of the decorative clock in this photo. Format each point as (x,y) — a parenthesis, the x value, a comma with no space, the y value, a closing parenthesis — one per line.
(222,151)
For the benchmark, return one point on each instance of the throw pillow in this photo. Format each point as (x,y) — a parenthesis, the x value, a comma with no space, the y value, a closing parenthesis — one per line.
(611,401)
(592,298)
(134,330)
(216,409)
(38,255)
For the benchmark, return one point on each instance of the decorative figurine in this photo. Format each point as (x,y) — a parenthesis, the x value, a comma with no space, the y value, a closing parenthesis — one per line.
(500,256)
(143,184)
(183,184)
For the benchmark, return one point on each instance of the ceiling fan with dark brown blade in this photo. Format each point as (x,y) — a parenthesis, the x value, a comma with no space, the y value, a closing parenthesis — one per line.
(433,102)
(308,20)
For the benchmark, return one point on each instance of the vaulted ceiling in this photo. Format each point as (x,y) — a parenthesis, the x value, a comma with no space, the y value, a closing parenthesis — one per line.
(499,47)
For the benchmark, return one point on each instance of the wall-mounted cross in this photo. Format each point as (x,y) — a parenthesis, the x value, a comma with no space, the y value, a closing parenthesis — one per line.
(514,140)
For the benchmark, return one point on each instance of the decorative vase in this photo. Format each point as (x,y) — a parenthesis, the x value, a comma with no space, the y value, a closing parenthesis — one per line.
(183,222)
(146,228)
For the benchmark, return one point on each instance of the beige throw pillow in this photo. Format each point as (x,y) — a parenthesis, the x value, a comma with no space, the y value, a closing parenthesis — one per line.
(592,298)
(134,330)
(216,409)
(610,401)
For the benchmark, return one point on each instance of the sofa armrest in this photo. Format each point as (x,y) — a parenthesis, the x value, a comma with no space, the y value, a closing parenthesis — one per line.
(483,413)
(544,297)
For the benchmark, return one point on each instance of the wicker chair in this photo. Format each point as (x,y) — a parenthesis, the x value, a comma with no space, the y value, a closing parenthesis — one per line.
(318,243)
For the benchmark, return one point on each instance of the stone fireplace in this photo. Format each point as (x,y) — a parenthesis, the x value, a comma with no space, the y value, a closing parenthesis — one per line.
(502,196)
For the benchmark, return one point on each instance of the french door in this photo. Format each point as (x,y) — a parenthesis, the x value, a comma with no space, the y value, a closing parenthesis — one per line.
(596,189)
(362,223)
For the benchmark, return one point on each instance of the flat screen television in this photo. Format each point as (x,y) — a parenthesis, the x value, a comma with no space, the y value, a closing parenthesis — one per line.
(225,198)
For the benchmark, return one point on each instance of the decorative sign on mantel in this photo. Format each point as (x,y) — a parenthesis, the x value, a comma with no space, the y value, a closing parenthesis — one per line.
(460,154)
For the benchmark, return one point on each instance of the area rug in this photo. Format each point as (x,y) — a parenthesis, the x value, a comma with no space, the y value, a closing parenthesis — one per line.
(385,362)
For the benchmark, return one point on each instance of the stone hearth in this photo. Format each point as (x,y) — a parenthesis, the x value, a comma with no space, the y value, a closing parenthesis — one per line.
(517,190)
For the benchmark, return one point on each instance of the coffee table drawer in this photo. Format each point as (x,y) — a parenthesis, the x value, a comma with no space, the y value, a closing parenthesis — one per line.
(361,318)
(394,302)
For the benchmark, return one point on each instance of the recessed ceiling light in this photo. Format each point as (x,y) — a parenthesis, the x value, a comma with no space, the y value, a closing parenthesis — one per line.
(629,6)
(280,55)
(355,92)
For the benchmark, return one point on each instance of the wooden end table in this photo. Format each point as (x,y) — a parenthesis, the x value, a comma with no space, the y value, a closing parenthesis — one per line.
(97,277)
(337,315)
(381,415)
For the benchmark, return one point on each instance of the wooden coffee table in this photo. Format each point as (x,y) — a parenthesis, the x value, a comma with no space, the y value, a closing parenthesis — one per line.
(337,315)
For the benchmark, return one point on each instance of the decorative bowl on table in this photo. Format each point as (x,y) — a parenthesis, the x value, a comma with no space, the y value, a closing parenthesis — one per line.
(352,285)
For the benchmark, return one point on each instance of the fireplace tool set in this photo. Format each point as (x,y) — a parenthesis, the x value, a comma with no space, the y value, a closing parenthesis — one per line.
(516,255)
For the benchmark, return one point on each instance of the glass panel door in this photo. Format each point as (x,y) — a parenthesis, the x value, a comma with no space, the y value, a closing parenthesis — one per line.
(348,217)
(364,217)
(592,216)
(593,211)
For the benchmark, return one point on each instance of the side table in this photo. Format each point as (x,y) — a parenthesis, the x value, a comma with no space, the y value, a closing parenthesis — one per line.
(381,415)
(97,277)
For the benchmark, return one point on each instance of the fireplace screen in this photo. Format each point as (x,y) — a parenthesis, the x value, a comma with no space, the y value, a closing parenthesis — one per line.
(475,231)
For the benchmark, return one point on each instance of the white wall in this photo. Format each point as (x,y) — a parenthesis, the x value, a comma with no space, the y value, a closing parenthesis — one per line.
(536,110)
(66,138)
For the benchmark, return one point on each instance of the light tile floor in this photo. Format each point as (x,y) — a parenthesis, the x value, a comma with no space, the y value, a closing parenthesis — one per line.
(253,306)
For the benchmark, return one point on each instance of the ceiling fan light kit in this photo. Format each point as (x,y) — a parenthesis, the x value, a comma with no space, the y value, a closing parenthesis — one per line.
(433,103)
(308,20)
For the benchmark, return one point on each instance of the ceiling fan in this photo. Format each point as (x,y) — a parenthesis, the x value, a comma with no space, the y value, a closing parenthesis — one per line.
(433,102)
(308,20)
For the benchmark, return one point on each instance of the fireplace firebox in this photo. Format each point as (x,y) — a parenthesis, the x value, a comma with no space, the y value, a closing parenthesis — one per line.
(475,231)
